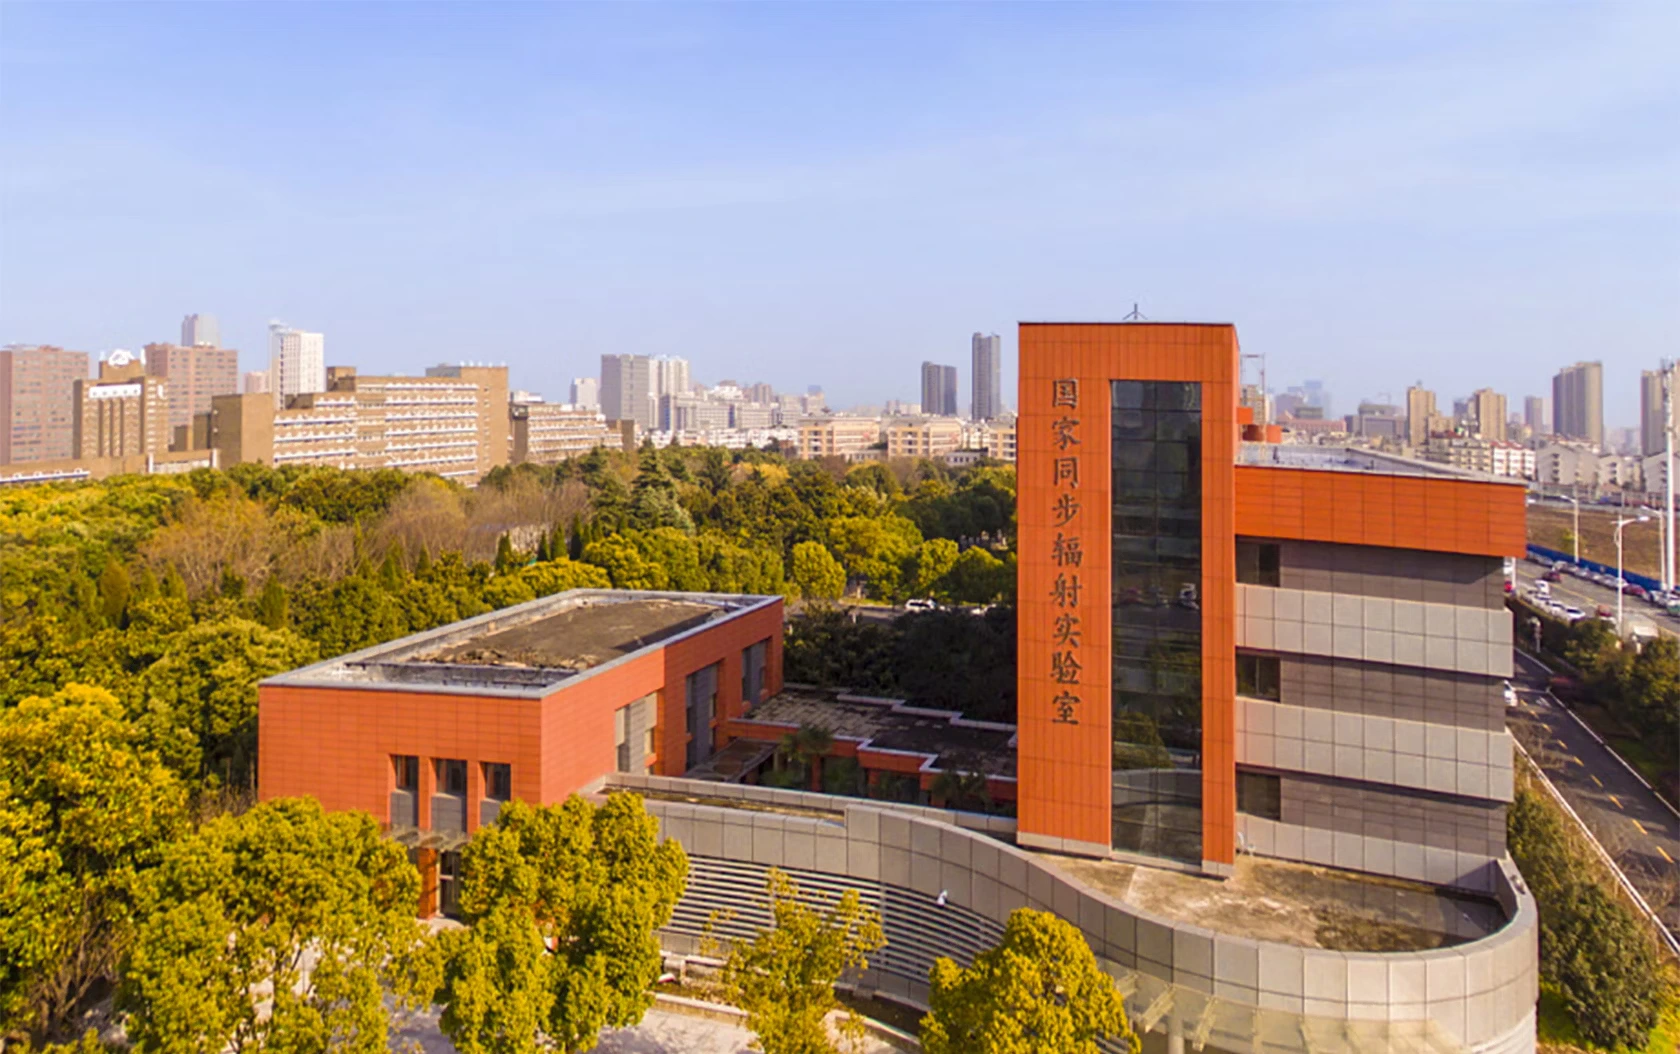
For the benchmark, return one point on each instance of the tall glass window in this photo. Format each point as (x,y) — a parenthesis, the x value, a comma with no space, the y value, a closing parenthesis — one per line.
(1157,568)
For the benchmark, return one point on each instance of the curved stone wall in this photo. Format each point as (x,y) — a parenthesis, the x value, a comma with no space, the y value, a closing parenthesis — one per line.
(1190,982)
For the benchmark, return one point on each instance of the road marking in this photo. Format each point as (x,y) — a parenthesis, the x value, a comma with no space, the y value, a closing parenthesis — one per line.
(1617,800)
(1577,761)
(1642,828)
(1665,856)
(1596,780)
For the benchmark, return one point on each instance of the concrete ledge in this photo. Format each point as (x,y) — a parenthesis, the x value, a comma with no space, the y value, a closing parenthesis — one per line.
(945,890)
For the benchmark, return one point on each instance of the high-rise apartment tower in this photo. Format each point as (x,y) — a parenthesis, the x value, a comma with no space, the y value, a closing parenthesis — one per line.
(939,389)
(1487,408)
(1578,402)
(1651,423)
(297,362)
(627,389)
(1420,407)
(988,398)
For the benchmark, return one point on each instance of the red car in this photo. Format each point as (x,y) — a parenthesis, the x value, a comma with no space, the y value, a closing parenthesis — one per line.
(1554,575)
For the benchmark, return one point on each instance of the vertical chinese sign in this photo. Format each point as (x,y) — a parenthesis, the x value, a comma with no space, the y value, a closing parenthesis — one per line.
(1067,554)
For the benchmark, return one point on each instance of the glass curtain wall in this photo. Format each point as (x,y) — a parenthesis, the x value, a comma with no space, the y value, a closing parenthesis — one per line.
(1157,572)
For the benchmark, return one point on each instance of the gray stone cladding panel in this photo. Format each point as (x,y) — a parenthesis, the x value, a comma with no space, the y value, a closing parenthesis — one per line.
(1465,762)
(1398,574)
(1419,818)
(1408,693)
(1404,633)
(1492,974)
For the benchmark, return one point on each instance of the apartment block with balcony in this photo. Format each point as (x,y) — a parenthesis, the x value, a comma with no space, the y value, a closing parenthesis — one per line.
(929,437)
(454,421)
(838,436)
(547,433)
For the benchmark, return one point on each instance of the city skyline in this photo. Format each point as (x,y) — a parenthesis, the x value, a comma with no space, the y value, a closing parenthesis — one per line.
(1426,165)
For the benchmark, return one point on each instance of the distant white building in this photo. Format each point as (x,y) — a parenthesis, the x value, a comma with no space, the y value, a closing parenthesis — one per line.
(297,362)
(200,331)
(1496,458)
(1579,464)
(586,393)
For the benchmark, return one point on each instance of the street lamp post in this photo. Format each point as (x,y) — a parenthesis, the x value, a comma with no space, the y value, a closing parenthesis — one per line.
(1575,536)
(1620,586)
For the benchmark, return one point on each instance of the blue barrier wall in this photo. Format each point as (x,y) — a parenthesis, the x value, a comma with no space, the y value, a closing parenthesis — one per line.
(1552,556)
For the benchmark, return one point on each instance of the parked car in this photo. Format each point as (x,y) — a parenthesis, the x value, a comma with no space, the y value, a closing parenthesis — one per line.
(1552,576)
(1573,614)
(920,604)
(1635,590)
(1510,695)
(1510,587)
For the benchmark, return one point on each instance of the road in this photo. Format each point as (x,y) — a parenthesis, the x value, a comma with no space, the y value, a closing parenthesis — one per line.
(1635,827)
(1589,595)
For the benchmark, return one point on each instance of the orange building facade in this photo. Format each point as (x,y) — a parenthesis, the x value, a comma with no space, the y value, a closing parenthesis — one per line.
(430,737)
(1136,496)
(1070,416)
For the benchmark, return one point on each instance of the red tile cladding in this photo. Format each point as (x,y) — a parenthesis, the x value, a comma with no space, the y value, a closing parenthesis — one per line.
(335,744)
(1065,771)
(1367,508)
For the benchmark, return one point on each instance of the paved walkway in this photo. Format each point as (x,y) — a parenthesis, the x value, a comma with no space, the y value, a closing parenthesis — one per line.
(660,1032)
(1627,818)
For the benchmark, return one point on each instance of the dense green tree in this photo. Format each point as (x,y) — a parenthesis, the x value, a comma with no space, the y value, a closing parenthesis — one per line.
(930,566)
(784,977)
(716,473)
(1038,989)
(205,685)
(676,553)
(817,574)
(877,550)
(498,985)
(589,886)
(114,591)
(952,660)
(317,908)
(824,647)
(1592,948)
(1650,699)
(1607,970)
(624,564)
(347,615)
(84,812)
(271,604)
(541,580)
(978,577)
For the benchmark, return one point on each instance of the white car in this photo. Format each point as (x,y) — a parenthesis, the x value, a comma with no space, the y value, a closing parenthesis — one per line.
(1510,695)
(920,604)
(1573,614)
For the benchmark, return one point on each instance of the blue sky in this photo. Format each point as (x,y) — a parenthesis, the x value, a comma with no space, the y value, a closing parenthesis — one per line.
(829,194)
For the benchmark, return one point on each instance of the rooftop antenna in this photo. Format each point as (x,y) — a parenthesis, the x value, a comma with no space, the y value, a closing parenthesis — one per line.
(1135,316)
